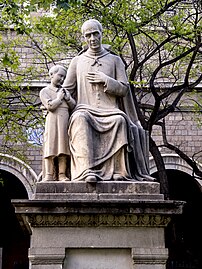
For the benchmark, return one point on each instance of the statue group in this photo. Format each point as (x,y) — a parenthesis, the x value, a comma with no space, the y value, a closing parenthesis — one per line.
(92,128)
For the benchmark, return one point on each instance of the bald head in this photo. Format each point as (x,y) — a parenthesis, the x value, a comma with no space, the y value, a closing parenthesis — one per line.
(91,25)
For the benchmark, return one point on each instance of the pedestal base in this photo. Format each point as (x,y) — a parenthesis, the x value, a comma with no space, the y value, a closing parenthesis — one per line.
(119,190)
(107,225)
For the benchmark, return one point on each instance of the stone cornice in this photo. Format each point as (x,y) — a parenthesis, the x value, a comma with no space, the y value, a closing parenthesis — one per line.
(106,213)
(102,206)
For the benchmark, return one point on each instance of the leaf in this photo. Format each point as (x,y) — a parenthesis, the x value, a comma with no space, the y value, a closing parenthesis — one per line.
(6,60)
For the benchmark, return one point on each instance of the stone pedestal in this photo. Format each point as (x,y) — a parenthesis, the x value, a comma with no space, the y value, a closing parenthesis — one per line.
(107,225)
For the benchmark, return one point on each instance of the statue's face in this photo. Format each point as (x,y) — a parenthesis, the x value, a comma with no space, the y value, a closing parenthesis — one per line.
(93,36)
(58,78)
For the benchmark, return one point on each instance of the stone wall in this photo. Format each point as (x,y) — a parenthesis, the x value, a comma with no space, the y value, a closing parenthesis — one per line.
(35,159)
(183,131)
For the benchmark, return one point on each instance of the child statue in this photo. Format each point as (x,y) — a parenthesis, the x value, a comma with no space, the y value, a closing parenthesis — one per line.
(57,102)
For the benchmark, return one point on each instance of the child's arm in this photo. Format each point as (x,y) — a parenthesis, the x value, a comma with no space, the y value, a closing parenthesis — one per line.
(51,104)
(58,101)
(70,101)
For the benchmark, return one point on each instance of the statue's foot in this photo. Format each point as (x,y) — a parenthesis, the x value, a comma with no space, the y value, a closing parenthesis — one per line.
(118,177)
(48,178)
(91,179)
(62,177)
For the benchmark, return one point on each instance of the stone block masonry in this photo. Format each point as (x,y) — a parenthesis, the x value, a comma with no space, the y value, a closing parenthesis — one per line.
(104,225)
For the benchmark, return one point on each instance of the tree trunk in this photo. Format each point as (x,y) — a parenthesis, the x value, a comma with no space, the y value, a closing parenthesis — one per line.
(163,180)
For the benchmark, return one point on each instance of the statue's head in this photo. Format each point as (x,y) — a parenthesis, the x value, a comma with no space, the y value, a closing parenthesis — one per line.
(92,32)
(56,68)
(57,74)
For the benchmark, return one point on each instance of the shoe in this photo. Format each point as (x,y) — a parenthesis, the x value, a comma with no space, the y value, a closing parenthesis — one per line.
(62,177)
(118,177)
(48,178)
(91,179)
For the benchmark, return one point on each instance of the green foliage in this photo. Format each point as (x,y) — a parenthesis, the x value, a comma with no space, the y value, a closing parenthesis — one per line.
(158,40)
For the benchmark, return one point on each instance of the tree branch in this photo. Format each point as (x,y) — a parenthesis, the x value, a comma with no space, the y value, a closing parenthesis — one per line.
(181,154)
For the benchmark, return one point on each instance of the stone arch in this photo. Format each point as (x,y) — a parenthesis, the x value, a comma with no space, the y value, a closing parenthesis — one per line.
(21,170)
(174,162)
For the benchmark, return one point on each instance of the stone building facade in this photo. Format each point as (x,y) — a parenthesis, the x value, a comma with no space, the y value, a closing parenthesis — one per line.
(19,177)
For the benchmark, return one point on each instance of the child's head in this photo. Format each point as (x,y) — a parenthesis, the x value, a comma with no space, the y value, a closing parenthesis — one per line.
(57,74)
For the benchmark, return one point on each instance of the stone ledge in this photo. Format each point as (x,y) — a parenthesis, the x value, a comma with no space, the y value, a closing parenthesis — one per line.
(109,190)
(125,206)
(119,187)
(95,196)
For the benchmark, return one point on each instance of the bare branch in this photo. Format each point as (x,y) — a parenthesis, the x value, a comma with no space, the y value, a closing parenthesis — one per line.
(181,154)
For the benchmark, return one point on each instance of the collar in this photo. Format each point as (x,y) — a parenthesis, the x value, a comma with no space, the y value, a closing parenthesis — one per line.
(96,56)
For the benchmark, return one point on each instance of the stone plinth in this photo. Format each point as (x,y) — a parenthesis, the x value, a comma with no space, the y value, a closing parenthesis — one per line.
(99,191)
(107,225)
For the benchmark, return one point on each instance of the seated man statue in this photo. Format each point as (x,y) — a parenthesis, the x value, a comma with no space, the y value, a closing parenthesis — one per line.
(106,139)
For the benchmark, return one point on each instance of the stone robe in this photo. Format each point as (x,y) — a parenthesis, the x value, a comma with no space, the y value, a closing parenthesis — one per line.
(100,133)
(56,124)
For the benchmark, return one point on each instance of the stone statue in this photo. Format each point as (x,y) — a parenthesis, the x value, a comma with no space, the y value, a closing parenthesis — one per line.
(57,102)
(106,139)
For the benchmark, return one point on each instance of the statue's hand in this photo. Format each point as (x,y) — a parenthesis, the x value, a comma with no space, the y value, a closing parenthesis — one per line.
(97,77)
(67,95)
(60,94)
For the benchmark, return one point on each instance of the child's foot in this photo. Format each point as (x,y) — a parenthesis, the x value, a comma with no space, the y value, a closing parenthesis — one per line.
(48,178)
(63,177)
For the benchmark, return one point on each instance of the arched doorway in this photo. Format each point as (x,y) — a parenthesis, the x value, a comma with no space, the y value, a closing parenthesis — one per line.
(14,242)
(183,234)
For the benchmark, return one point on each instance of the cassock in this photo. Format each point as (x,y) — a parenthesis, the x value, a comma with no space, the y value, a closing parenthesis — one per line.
(103,135)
